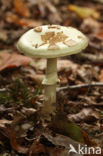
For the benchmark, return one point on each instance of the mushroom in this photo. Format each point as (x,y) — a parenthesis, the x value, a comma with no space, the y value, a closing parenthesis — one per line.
(51,42)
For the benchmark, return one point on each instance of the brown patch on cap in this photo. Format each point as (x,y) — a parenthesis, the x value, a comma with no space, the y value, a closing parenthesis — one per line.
(53,47)
(70,43)
(36,45)
(53,26)
(42,44)
(38,29)
(80,37)
(59,37)
(52,38)
(46,37)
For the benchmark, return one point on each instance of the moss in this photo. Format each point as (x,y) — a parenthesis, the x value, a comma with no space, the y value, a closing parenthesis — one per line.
(18,93)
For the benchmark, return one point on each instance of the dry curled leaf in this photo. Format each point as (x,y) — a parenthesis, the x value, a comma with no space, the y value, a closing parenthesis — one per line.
(15,144)
(21,8)
(8,60)
(3,122)
(86,114)
(37,148)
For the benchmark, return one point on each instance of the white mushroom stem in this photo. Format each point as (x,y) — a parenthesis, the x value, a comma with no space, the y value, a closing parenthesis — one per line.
(50,83)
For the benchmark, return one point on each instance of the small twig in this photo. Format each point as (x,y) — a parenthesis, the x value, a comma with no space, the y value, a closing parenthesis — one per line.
(96,84)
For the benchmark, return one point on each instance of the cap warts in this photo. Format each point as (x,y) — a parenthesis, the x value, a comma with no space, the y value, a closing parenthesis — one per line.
(53,38)
(36,45)
(70,42)
(38,29)
(59,37)
(54,26)
(47,36)
(53,47)
(80,37)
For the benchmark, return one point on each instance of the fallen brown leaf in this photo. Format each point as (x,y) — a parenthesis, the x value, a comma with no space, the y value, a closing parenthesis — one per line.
(66,64)
(60,140)
(29,22)
(3,35)
(13,18)
(3,122)
(37,148)
(14,142)
(101,76)
(12,60)
(37,78)
(21,8)
(90,25)
(99,35)
(86,114)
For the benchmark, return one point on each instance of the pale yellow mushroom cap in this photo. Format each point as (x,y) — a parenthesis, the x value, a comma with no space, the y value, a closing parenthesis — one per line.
(52,41)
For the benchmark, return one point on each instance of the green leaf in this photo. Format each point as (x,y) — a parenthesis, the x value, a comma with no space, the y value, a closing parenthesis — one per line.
(60,124)
(68,129)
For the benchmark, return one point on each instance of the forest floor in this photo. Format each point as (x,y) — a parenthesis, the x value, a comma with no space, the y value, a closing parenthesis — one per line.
(79,97)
